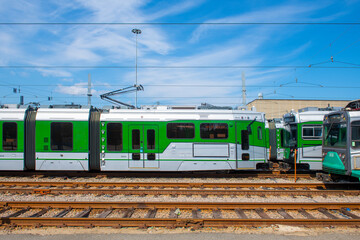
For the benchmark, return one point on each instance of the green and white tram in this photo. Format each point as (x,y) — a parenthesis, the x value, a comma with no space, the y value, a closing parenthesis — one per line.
(166,139)
(306,136)
(341,141)
(160,138)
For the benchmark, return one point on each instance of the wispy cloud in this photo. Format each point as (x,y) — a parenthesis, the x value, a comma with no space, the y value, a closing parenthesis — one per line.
(280,13)
(76,89)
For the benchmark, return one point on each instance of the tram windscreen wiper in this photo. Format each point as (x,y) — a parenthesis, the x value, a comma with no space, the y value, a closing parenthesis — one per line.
(328,133)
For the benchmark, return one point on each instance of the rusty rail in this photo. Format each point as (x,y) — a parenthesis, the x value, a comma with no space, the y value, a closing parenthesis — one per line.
(175,189)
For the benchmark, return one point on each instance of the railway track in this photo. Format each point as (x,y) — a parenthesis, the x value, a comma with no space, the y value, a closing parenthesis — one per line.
(172,215)
(181,188)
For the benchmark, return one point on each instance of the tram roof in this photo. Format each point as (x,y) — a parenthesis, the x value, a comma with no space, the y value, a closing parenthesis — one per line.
(179,114)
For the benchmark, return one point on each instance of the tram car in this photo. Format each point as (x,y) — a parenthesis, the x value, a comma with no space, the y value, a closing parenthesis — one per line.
(306,136)
(160,138)
(278,139)
(341,142)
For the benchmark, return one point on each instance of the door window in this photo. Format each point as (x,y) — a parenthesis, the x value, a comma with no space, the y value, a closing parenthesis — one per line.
(151,139)
(136,139)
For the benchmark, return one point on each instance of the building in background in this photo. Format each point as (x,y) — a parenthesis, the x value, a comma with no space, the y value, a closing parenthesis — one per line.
(276,108)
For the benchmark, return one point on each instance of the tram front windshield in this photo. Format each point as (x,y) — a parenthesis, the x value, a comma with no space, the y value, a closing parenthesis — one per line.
(335,135)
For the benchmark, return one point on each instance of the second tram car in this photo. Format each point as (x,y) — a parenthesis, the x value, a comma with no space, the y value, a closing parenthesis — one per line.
(306,136)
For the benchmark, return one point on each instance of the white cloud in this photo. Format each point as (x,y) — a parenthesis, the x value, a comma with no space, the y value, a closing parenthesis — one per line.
(54,73)
(76,89)
(171,8)
(282,13)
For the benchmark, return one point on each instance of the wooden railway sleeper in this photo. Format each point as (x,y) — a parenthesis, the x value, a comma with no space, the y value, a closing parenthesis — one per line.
(241,214)
(151,213)
(128,213)
(41,212)
(18,213)
(262,213)
(217,213)
(348,213)
(4,209)
(326,213)
(174,213)
(84,214)
(196,213)
(63,213)
(105,213)
(284,214)
(306,214)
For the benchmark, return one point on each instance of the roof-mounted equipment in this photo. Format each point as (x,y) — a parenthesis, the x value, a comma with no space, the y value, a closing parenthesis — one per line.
(106,96)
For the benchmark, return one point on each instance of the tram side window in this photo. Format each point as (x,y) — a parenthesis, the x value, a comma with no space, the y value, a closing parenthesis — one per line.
(114,137)
(180,130)
(355,134)
(9,136)
(312,132)
(245,145)
(214,130)
(61,136)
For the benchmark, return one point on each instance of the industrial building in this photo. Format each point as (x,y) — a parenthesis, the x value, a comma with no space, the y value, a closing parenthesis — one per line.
(276,108)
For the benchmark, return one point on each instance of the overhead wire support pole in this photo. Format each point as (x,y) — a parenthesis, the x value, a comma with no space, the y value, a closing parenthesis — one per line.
(136,32)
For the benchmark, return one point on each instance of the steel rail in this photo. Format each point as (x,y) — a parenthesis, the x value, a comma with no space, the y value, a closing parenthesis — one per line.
(183,205)
(171,222)
(188,192)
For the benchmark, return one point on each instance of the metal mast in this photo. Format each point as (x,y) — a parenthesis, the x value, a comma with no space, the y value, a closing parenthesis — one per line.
(136,32)
(243,89)
(89,90)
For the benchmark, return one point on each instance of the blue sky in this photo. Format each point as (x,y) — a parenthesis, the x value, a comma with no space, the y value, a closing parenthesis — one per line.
(168,47)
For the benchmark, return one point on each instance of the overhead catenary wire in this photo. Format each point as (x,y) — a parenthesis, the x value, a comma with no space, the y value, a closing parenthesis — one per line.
(179,23)
(176,67)
(348,46)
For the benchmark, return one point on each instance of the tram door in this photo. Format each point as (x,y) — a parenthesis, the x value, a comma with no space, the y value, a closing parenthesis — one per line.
(245,149)
(143,146)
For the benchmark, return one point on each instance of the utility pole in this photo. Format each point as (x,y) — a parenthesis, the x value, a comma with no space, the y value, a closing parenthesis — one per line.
(89,90)
(243,89)
(136,32)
